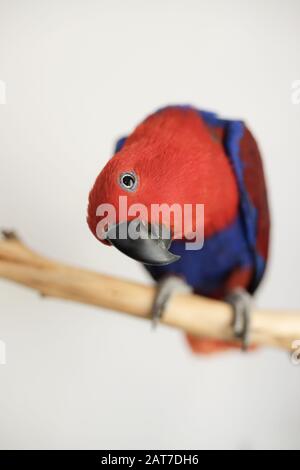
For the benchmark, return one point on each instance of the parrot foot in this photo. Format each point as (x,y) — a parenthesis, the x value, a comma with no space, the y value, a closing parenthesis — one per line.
(166,287)
(241,302)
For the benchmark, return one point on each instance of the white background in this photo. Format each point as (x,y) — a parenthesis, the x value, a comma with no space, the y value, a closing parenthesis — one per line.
(79,74)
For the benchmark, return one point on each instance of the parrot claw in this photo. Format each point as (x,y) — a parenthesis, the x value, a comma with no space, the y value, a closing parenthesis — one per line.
(166,287)
(241,302)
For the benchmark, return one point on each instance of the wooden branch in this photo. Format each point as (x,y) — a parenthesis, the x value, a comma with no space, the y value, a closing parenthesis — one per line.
(190,313)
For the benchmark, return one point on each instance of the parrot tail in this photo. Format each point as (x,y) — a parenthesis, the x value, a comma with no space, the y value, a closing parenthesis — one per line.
(212,346)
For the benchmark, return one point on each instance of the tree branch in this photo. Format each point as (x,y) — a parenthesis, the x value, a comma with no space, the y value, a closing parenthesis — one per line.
(191,313)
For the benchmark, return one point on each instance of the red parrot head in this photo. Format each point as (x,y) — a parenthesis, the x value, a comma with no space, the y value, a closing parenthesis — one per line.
(170,162)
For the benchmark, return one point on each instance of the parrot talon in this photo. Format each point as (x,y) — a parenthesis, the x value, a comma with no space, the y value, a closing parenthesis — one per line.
(241,302)
(9,235)
(166,287)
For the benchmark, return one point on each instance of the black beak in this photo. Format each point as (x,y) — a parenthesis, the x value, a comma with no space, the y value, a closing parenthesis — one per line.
(143,242)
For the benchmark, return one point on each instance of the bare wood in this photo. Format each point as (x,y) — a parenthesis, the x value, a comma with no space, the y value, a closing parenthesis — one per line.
(190,313)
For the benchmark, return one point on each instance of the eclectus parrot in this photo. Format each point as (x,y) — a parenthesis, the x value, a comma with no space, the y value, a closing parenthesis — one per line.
(181,155)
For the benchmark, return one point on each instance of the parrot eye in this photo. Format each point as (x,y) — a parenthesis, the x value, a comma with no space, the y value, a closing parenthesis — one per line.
(128,181)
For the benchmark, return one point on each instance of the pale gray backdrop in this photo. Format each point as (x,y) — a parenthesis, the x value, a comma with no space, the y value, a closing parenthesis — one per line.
(79,74)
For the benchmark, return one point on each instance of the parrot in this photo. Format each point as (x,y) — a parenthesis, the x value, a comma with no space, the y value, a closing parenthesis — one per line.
(183,155)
